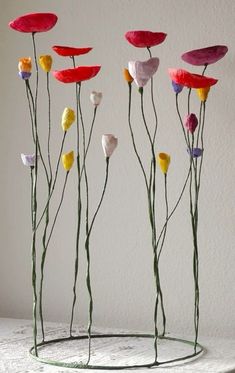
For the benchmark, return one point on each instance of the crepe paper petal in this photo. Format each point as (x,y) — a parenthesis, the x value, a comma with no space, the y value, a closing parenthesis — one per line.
(164,161)
(96,98)
(76,75)
(25,64)
(195,152)
(205,56)
(29,159)
(34,22)
(203,93)
(65,51)
(109,144)
(190,80)
(68,117)
(177,87)
(145,39)
(128,78)
(24,75)
(67,160)
(141,72)
(191,122)
(45,62)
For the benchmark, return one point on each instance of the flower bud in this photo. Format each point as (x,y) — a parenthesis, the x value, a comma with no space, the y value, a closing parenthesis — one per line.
(68,117)
(29,159)
(25,64)
(45,62)
(109,143)
(127,76)
(195,152)
(164,161)
(203,93)
(96,98)
(191,122)
(67,160)
(177,87)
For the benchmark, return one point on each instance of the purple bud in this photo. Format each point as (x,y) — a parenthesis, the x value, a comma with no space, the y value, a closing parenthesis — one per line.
(177,87)
(24,75)
(195,152)
(191,122)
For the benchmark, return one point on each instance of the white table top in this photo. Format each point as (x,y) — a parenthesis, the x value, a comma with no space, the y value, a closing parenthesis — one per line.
(16,339)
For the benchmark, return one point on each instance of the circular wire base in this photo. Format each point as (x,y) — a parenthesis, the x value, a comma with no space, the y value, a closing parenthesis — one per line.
(95,337)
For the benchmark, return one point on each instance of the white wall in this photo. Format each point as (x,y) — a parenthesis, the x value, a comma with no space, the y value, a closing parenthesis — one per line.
(121,252)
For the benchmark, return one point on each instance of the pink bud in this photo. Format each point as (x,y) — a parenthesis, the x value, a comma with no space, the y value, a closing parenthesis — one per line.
(109,143)
(191,122)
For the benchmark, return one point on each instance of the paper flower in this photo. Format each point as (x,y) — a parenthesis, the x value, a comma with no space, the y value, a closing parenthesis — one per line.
(34,22)
(67,160)
(164,161)
(25,67)
(205,56)
(145,39)
(109,144)
(64,51)
(203,93)
(191,122)
(190,80)
(45,62)
(177,87)
(29,159)
(141,72)
(76,75)
(128,78)
(96,98)
(68,117)
(195,152)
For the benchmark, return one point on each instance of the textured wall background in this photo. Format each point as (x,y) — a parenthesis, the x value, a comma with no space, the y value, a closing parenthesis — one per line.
(121,252)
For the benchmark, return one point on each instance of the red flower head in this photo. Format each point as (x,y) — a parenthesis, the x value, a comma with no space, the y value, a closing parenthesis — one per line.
(70,51)
(205,56)
(190,80)
(76,75)
(34,22)
(145,39)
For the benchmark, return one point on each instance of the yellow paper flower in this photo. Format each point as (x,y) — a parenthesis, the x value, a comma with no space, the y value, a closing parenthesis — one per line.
(164,161)
(67,160)
(68,117)
(25,64)
(127,76)
(203,93)
(45,62)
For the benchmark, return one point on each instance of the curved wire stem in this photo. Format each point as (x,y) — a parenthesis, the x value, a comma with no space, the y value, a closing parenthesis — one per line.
(49,127)
(167,216)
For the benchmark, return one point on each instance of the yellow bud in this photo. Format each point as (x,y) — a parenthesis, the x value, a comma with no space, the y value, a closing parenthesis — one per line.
(203,93)
(45,62)
(164,161)
(127,76)
(25,64)
(68,117)
(67,160)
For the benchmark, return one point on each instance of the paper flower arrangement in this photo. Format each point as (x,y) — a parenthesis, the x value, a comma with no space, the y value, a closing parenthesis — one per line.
(43,215)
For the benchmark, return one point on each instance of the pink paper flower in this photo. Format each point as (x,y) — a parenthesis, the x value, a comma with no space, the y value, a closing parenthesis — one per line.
(34,22)
(191,122)
(190,80)
(205,56)
(109,144)
(76,75)
(141,72)
(70,51)
(145,39)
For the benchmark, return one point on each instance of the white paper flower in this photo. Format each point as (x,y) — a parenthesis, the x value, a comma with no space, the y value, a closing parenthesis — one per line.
(28,159)
(96,98)
(109,143)
(141,72)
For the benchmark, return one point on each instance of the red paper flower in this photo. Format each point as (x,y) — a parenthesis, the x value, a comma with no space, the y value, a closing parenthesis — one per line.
(70,51)
(34,22)
(76,75)
(145,39)
(190,80)
(205,56)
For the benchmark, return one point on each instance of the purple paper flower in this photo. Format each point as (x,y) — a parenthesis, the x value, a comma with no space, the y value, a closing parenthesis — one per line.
(24,75)
(195,152)
(142,71)
(191,122)
(177,87)
(28,159)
